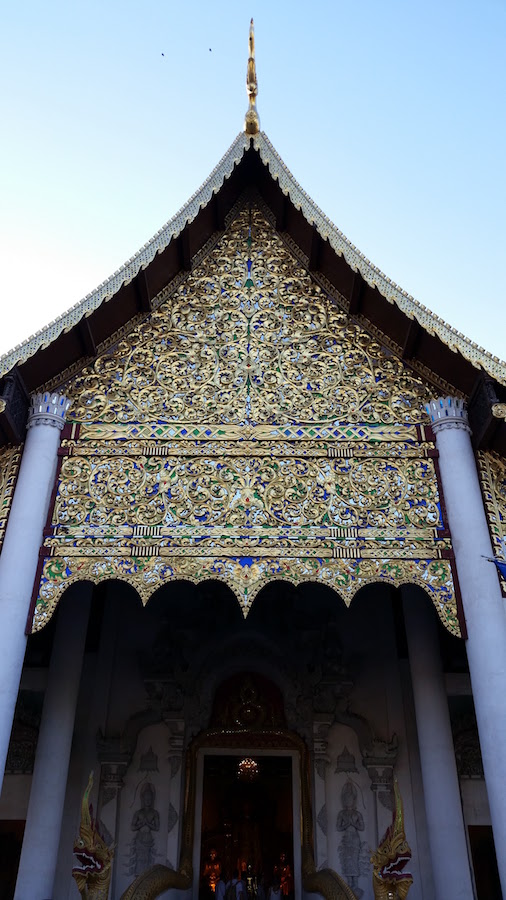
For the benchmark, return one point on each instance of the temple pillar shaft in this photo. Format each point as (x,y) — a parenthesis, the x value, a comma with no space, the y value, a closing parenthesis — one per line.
(482,602)
(20,551)
(443,808)
(176,772)
(321,761)
(39,854)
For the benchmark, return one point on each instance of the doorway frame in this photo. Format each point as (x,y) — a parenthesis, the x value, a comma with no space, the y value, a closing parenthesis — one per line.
(247,750)
(250,741)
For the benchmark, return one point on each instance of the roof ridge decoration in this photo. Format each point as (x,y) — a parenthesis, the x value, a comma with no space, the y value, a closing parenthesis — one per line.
(251,119)
(374,277)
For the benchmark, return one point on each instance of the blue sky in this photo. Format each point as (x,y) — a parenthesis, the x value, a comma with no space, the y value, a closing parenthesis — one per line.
(391,116)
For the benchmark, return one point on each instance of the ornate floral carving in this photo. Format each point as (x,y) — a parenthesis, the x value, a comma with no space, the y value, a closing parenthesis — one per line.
(247,491)
(248,431)
(246,576)
(10,458)
(493,481)
(248,337)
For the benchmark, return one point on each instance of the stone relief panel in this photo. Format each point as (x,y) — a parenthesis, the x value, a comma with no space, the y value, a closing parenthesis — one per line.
(353,851)
(145,825)
(350,811)
(145,807)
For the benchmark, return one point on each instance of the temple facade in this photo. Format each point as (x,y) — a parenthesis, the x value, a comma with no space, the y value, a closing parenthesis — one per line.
(251,496)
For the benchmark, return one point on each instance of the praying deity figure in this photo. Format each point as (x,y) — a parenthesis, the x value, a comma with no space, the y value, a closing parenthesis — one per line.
(351,849)
(146,820)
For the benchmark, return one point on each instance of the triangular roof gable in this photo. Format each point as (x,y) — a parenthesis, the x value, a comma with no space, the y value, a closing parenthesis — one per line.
(248,430)
(422,337)
(247,341)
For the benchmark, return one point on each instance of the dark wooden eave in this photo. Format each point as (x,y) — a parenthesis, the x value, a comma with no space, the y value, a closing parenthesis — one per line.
(417,347)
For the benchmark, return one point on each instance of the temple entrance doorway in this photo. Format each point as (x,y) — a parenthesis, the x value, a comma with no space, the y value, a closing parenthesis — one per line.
(247,819)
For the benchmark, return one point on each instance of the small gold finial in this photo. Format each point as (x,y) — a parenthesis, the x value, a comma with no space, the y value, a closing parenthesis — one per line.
(251,119)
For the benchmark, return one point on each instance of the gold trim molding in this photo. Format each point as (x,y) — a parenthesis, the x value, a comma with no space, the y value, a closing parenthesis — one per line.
(10,458)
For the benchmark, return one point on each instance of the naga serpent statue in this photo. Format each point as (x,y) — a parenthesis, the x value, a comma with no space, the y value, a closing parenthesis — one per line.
(390,881)
(91,849)
(93,872)
(159,879)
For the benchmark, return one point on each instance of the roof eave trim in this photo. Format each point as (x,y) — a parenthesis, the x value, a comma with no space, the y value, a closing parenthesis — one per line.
(158,243)
(430,322)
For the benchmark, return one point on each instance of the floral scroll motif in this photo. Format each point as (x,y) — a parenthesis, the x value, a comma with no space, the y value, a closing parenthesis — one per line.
(247,575)
(248,337)
(10,458)
(247,491)
(493,481)
(248,431)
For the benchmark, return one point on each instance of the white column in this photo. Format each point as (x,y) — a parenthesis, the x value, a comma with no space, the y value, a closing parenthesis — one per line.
(321,764)
(174,835)
(39,854)
(482,602)
(443,808)
(20,551)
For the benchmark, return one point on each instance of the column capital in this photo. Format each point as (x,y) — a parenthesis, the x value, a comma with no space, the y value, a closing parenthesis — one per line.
(113,774)
(448,412)
(48,408)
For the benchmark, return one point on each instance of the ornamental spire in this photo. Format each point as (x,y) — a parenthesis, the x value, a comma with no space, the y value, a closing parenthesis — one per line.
(251,119)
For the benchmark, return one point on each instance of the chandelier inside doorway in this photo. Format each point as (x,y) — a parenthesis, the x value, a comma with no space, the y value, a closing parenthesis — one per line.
(247,770)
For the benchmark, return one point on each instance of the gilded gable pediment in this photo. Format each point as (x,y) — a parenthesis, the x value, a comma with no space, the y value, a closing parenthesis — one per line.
(248,430)
(248,338)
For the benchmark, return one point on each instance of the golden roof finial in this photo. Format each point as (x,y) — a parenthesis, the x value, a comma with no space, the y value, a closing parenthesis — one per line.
(251,119)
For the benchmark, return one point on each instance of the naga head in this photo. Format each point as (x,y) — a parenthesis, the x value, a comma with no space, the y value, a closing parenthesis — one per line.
(94,856)
(393,853)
